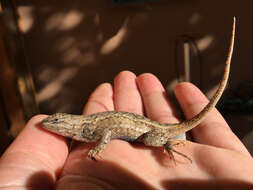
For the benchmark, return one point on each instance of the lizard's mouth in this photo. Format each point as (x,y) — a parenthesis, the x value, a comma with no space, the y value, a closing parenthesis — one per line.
(45,123)
(51,124)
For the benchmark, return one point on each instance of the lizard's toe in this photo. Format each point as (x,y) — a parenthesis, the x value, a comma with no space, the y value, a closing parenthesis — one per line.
(92,155)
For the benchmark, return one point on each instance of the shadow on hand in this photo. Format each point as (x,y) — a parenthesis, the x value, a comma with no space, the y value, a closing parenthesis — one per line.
(124,179)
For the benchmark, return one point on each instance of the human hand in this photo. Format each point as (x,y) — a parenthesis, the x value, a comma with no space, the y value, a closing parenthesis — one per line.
(38,159)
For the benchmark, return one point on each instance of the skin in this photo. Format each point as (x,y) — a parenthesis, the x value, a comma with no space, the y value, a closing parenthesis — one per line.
(38,159)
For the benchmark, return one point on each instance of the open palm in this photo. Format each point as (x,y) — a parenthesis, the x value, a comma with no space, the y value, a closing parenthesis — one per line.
(38,159)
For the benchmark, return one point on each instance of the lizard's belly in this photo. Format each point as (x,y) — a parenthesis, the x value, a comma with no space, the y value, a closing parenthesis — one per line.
(128,133)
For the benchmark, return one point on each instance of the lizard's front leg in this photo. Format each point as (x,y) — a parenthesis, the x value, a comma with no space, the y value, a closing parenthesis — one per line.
(101,146)
(169,147)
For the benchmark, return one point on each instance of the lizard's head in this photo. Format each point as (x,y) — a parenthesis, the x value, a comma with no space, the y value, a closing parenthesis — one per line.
(64,124)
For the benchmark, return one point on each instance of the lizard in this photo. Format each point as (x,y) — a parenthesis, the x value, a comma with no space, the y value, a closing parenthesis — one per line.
(104,126)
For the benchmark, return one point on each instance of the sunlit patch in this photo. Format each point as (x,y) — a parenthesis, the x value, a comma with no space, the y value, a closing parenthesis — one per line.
(55,86)
(87,58)
(22,85)
(194,18)
(26,18)
(45,74)
(71,54)
(100,37)
(205,42)
(66,43)
(64,21)
(74,55)
(115,41)
(96,19)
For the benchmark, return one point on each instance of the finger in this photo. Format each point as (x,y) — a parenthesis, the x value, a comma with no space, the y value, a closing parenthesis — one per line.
(213,130)
(30,158)
(100,100)
(157,105)
(126,94)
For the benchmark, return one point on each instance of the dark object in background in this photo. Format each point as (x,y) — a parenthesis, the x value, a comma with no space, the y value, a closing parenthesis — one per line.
(239,100)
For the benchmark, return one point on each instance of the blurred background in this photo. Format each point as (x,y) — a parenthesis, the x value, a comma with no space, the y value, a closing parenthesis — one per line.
(54,53)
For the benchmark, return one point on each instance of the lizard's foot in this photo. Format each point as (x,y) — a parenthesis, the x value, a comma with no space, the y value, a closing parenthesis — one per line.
(177,143)
(169,148)
(93,154)
(100,147)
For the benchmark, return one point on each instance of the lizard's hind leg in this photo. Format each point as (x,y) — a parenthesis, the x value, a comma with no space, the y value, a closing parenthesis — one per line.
(169,147)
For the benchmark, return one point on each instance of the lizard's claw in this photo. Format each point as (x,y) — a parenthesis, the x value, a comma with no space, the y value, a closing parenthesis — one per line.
(93,154)
(169,148)
(178,142)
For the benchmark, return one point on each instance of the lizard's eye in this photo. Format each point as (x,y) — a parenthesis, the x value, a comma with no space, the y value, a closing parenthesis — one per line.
(55,120)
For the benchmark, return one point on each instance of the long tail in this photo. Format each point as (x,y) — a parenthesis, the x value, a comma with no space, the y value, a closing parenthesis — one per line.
(189,124)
